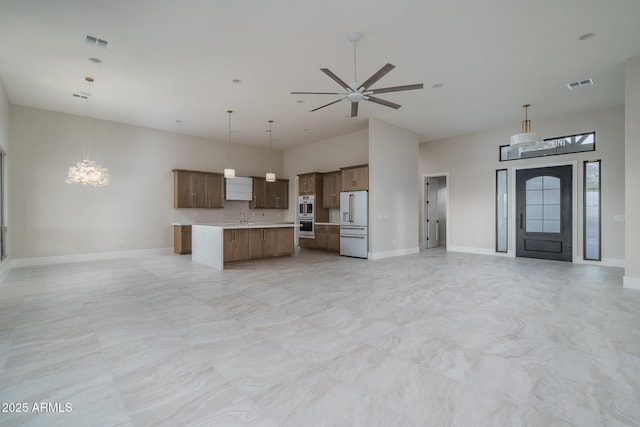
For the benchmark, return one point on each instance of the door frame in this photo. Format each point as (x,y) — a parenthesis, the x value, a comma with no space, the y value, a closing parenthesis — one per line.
(574,203)
(423,210)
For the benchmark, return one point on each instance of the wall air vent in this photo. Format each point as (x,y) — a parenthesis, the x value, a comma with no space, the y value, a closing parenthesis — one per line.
(95,41)
(581,83)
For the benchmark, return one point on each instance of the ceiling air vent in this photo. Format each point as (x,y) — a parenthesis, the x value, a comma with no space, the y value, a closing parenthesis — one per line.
(95,41)
(581,83)
(82,95)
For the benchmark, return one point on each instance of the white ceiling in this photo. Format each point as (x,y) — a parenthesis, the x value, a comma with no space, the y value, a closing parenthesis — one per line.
(175,60)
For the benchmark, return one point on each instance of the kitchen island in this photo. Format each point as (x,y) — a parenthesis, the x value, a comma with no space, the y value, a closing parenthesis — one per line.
(217,244)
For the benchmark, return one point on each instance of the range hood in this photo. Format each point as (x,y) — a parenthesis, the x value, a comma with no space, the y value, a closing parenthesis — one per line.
(239,188)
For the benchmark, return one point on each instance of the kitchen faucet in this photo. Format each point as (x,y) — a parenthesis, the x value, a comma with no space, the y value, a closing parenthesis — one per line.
(243,218)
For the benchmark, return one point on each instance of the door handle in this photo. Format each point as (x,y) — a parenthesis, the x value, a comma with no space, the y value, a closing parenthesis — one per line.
(521,220)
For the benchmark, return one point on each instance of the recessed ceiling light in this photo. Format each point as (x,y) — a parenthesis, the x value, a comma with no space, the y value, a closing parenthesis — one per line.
(586,36)
(96,60)
(437,85)
(236,81)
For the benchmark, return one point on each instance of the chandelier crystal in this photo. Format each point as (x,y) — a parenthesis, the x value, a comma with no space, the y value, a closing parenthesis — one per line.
(88,172)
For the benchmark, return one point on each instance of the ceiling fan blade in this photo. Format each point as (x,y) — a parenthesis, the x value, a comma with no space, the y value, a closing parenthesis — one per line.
(396,88)
(377,76)
(326,105)
(354,109)
(316,93)
(383,102)
(336,78)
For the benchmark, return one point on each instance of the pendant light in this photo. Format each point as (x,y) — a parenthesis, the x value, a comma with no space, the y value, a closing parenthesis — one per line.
(88,172)
(229,172)
(527,137)
(271,176)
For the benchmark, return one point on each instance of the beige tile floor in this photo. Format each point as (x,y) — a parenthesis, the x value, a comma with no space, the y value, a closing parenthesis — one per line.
(435,339)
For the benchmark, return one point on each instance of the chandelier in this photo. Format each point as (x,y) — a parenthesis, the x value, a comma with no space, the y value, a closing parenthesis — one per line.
(89,172)
(527,137)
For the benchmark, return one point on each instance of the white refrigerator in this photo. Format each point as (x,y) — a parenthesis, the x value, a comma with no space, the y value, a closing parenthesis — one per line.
(354,224)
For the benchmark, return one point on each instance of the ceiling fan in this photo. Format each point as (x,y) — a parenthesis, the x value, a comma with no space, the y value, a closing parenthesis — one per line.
(356,92)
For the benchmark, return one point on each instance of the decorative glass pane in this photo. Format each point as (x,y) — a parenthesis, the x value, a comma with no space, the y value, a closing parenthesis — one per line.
(543,204)
(551,147)
(592,210)
(501,210)
(551,226)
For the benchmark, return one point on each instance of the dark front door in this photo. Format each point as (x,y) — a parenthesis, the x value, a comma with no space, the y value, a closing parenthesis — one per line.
(543,213)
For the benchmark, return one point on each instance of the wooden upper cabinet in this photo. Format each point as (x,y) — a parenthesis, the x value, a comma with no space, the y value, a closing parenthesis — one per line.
(331,188)
(355,178)
(307,183)
(195,189)
(270,195)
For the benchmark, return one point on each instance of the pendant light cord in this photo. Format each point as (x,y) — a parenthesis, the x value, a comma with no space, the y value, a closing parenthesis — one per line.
(270,150)
(92,124)
(229,145)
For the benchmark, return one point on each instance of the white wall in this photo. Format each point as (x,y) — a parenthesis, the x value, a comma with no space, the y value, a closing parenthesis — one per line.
(393,190)
(4,145)
(471,161)
(632,173)
(325,156)
(135,211)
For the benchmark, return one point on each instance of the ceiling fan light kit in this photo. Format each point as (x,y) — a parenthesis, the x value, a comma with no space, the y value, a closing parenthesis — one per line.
(357,92)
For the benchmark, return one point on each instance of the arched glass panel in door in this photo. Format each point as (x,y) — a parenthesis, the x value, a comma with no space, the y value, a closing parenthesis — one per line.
(542,204)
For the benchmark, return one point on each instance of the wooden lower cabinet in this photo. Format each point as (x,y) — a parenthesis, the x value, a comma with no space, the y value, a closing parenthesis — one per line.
(255,243)
(236,245)
(284,241)
(328,237)
(182,239)
(305,242)
(262,243)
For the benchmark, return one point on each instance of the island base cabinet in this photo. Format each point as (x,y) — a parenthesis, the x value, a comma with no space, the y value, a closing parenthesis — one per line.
(236,245)
(284,241)
(270,242)
(262,243)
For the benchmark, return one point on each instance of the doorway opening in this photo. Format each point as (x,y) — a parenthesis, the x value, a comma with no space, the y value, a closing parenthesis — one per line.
(436,195)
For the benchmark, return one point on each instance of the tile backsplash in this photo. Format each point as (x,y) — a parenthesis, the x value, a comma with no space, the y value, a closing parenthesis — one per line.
(231,212)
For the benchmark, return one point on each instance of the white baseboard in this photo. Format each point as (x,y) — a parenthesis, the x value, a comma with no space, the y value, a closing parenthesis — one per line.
(606,262)
(63,259)
(5,268)
(393,253)
(631,282)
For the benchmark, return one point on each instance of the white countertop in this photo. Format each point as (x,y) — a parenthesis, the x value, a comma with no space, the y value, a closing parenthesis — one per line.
(236,225)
